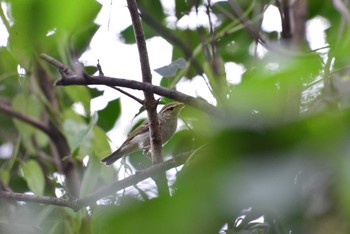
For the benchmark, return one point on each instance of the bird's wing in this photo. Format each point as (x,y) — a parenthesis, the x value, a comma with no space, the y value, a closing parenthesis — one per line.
(143,128)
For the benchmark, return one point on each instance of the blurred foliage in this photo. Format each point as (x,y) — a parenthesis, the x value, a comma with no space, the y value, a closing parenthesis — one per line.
(278,162)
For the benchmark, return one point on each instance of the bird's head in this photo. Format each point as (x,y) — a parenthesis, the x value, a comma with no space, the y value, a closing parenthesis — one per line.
(171,110)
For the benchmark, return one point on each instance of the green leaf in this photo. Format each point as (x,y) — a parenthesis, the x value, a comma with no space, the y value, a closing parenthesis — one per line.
(80,94)
(181,8)
(109,115)
(182,141)
(79,135)
(153,8)
(129,37)
(35,19)
(91,176)
(31,107)
(94,92)
(80,40)
(90,70)
(28,105)
(100,145)
(34,176)
(171,69)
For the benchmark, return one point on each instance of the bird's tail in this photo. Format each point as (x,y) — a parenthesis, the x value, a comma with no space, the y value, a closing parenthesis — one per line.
(113,157)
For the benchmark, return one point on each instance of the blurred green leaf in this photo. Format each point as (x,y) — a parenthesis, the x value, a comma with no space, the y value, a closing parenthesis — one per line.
(108,116)
(91,70)
(34,176)
(91,176)
(182,141)
(80,135)
(128,35)
(139,160)
(40,25)
(94,92)
(154,8)
(181,8)
(80,40)
(80,94)
(30,106)
(100,143)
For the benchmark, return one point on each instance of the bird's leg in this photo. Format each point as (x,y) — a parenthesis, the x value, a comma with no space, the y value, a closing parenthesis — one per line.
(146,152)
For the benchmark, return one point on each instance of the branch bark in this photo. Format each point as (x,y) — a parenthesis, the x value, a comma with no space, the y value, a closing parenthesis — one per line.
(249,27)
(162,91)
(69,166)
(74,79)
(5,107)
(150,102)
(40,199)
(77,204)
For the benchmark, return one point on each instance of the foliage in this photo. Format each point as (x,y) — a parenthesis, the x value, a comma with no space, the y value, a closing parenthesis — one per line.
(280,152)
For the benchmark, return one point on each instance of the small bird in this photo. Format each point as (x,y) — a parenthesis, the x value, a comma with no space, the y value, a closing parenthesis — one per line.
(139,139)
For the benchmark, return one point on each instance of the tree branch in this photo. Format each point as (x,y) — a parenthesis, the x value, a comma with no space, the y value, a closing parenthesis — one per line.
(150,102)
(63,69)
(77,204)
(128,94)
(134,179)
(5,107)
(162,91)
(198,103)
(40,199)
(249,27)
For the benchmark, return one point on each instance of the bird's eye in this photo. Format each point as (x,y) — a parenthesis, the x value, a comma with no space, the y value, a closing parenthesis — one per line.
(171,108)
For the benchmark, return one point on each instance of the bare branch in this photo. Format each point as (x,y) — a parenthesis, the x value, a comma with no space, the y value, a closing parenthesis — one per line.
(63,69)
(150,102)
(99,68)
(128,94)
(284,10)
(300,18)
(134,179)
(40,199)
(162,91)
(100,73)
(6,108)
(249,27)
(77,204)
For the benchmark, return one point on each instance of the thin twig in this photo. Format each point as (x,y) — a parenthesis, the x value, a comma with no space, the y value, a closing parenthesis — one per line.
(100,73)
(128,94)
(238,12)
(99,68)
(63,69)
